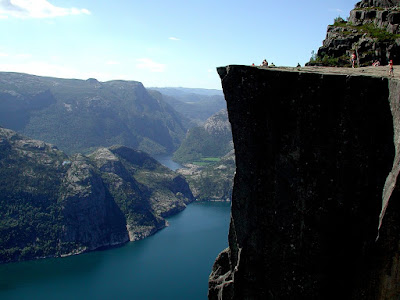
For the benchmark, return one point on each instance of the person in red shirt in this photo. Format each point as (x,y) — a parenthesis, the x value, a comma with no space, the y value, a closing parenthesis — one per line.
(353,59)
(391,68)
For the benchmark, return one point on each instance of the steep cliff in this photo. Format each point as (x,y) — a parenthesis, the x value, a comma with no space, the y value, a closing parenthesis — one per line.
(316,156)
(89,216)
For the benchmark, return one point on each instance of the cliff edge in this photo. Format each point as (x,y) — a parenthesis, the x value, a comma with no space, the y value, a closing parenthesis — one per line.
(315,204)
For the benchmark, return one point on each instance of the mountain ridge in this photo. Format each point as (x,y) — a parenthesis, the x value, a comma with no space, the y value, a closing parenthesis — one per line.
(80,115)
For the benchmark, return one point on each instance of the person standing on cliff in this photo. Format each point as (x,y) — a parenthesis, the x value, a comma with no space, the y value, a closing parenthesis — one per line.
(391,68)
(353,59)
(264,63)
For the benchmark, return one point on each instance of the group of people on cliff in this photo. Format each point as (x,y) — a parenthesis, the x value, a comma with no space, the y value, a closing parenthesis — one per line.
(353,59)
(376,63)
(265,64)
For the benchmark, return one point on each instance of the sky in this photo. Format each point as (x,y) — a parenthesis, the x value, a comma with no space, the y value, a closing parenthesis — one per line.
(161,43)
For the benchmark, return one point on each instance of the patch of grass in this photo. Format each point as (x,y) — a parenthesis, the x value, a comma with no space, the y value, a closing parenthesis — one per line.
(201,163)
(339,22)
(377,33)
(370,29)
(205,161)
(212,159)
(331,61)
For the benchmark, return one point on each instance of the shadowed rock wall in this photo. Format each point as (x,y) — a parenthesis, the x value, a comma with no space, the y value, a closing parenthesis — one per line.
(313,152)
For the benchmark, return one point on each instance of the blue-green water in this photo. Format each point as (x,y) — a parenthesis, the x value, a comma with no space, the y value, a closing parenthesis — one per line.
(167,161)
(172,264)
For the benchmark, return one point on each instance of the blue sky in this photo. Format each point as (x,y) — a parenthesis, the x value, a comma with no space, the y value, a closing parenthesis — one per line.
(160,43)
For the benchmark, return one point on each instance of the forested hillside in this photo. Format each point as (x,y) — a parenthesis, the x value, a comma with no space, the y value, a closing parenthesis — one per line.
(81,115)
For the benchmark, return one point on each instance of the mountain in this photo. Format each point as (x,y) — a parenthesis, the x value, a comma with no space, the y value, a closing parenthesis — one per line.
(52,204)
(213,181)
(209,159)
(213,139)
(195,104)
(372,32)
(80,115)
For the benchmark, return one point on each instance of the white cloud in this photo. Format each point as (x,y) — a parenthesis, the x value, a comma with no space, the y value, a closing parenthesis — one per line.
(36,9)
(150,65)
(174,38)
(85,11)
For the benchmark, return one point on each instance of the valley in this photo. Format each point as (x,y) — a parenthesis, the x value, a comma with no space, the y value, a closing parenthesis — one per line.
(98,188)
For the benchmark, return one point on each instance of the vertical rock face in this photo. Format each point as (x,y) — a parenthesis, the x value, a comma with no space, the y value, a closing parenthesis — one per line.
(313,154)
(91,217)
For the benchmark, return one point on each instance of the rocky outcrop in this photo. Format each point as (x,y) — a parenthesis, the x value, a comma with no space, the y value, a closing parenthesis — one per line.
(382,14)
(91,217)
(218,123)
(314,163)
(378,3)
(371,31)
(167,192)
